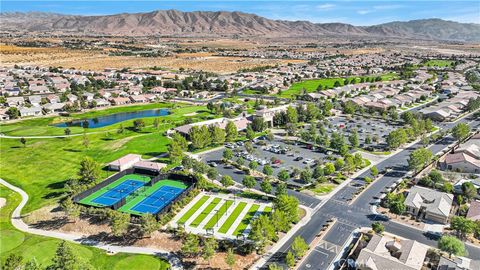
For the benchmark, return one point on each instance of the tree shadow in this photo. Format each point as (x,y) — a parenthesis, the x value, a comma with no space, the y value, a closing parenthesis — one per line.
(57,185)
(15,147)
(72,150)
(51,224)
(53,195)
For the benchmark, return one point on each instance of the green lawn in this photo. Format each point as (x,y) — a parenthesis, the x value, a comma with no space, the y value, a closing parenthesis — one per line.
(223,209)
(205,212)
(246,219)
(43,248)
(192,210)
(312,85)
(322,189)
(233,216)
(439,63)
(44,165)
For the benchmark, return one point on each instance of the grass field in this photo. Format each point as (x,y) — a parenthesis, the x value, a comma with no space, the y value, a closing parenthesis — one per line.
(223,209)
(205,212)
(44,165)
(43,248)
(246,219)
(312,85)
(233,216)
(322,189)
(192,210)
(439,63)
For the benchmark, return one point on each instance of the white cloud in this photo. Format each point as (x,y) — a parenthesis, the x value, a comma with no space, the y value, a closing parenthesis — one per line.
(363,12)
(325,6)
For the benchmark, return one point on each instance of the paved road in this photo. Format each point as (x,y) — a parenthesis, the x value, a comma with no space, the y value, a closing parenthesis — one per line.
(18,223)
(358,214)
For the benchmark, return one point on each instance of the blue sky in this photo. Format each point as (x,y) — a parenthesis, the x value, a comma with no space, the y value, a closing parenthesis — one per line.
(347,11)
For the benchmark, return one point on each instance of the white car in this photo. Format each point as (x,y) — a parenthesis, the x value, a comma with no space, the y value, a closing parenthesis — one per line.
(308,161)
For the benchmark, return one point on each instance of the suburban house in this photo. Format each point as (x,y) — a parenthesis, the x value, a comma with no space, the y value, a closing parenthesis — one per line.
(32,111)
(474,211)
(386,252)
(124,162)
(429,204)
(240,122)
(466,158)
(268,113)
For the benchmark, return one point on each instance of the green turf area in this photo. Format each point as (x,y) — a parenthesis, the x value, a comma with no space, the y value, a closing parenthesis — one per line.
(134,199)
(322,189)
(267,210)
(43,249)
(89,199)
(246,219)
(205,212)
(192,210)
(439,63)
(223,209)
(44,165)
(233,216)
(312,85)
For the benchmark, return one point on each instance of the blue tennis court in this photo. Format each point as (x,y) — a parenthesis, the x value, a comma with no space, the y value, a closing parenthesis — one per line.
(119,192)
(158,200)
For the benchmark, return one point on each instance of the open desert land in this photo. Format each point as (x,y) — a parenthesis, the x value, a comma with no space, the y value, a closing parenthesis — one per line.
(98,60)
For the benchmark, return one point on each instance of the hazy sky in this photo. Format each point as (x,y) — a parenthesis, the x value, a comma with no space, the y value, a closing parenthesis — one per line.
(354,12)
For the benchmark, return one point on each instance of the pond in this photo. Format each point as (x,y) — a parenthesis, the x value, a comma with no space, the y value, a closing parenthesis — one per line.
(111,119)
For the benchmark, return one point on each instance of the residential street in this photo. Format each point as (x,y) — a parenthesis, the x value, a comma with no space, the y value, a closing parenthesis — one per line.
(359,214)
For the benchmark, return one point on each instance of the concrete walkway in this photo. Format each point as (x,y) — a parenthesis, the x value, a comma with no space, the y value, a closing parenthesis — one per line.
(18,223)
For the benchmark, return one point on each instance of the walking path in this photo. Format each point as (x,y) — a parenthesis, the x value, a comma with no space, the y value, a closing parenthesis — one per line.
(18,223)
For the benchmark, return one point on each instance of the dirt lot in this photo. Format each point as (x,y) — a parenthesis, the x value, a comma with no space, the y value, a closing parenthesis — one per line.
(50,218)
(98,60)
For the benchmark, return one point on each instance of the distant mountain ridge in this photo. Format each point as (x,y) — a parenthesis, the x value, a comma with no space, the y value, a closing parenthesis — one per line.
(223,23)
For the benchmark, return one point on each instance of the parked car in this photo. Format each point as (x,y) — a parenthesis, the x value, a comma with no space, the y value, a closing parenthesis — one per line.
(298,158)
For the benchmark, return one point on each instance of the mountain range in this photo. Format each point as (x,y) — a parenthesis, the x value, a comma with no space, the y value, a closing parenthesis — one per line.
(222,23)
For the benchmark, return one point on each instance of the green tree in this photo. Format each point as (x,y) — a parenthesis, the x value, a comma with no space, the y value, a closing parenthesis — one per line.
(138,124)
(374,171)
(89,171)
(32,265)
(67,131)
(120,129)
(291,115)
(451,245)
(262,232)
(64,258)
(289,205)
(217,135)
(306,175)
(266,186)
(13,262)
(23,141)
(329,168)
(250,133)
(283,175)
(281,221)
(258,124)
(175,152)
(70,208)
(119,223)
(469,191)
(462,226)
(191,245)
(274,266)
(156,123)
(281,189)
(249,181)
(85,141)
(231,132)
(253,165)
(230,258)
(227,181)
(267,169)
(353,139)
(461,131)
(13,113)
(299,247)
(378,227)
(227,154)
(290,260)
(210,244)
(148,224)
(419,159)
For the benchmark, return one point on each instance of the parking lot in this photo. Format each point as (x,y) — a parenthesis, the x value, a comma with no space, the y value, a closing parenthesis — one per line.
(374,128)
(263,154)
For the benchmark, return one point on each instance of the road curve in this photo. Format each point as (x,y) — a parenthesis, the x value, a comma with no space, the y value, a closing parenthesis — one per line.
(18,223)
